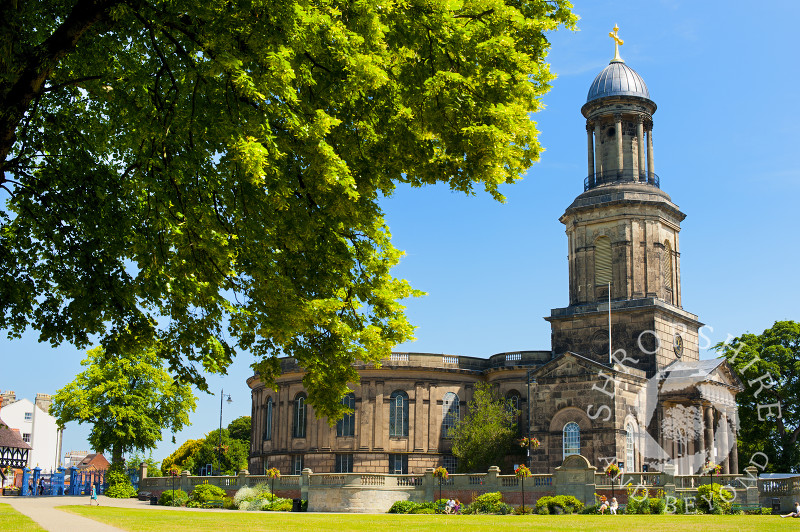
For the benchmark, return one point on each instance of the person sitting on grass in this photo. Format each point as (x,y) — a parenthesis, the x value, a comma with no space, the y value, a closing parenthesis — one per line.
(796,512)
(613,507)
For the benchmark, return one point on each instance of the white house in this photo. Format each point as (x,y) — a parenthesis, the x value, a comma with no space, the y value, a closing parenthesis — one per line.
(36,426)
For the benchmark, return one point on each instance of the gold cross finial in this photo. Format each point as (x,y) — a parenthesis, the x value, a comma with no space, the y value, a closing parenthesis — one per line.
(617,43)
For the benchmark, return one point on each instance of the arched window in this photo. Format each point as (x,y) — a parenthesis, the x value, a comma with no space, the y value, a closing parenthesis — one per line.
(630,449)
(449,413)
(602,260)
(267,435)
(299,418)
(513,401)
(572,439)
(667,265)
(398,413)
(347,425)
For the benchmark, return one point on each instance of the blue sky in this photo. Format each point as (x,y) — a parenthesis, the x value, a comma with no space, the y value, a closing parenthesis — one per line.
(726,133)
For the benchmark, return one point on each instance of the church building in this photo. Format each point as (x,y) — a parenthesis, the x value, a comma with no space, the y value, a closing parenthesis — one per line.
(623,381)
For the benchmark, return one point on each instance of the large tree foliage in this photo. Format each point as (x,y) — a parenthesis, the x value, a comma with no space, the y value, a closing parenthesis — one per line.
(208,174)
(487,433)
(129,399)
(769,367)
(240,428)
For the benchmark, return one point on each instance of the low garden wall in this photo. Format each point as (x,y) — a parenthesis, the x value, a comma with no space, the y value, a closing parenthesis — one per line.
(368,492)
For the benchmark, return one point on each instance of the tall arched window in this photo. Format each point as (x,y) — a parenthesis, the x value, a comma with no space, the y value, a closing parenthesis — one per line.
(513,401)
(299,418)
(667,265)
(630,449)
(602,260)
(572,439)
(347,425)
(449,413)
(398,413)
(267,435)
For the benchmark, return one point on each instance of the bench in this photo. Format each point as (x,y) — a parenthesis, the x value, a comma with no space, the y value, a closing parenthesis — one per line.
(214,503)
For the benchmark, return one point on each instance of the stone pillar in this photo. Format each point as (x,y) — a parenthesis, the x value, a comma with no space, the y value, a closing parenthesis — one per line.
(668,476)
(618,129)
(751,496)
(734,456)
(590,148)
(241,479)
(708,416)
(701,441)
(142,471)
(651,166)
(724,442)
(305,481)
(184,485)
(492,481)
(428,484)
(598,152)
(640,145)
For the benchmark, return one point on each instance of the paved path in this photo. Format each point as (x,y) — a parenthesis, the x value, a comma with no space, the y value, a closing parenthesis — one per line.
(43,511)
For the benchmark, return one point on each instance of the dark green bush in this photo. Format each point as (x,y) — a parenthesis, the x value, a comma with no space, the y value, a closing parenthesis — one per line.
(488,503)
(167,499)
(119,485)
(720,496)
(423,511)
(278,505)
(202,493)
(560,504)
(402,507)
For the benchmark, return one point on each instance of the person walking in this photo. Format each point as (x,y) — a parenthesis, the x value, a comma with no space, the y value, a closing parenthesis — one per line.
(94,496)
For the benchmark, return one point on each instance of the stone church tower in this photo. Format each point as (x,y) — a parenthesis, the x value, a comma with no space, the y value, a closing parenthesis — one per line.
(645,401)
(623,235)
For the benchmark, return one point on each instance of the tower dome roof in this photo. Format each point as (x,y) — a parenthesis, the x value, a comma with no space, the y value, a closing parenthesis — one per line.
(617,79)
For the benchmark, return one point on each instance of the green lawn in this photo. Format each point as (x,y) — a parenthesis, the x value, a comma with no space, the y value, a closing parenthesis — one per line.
(177,521)
(10,519)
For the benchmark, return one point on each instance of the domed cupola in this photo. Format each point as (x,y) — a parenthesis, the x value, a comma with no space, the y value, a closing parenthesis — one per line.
(617,79)
(619,125)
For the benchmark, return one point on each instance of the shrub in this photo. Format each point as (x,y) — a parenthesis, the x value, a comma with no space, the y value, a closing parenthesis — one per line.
(178,498)
(656,505)
(488,503)
(720,496)
(277,505)
(423,511)
(594,509)
(202,493)
(560,504)
(119,485)
(520,510)
(252,499)
(402,507)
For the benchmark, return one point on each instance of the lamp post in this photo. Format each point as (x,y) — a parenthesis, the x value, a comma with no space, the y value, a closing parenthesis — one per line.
(528,387)
(222,396)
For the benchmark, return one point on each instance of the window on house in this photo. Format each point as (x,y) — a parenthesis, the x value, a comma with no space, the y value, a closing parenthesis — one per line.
(297,464)
(28,416)
(347,425)
(398,413)
(398,464)
(450,463)
(630,456)
(344,463)
(299,426)
(268,420)
(26,437)
(602,261)
(572,439)
(449,413)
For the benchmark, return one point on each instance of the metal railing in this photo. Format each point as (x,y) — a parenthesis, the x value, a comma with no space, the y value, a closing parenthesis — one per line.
(621,176)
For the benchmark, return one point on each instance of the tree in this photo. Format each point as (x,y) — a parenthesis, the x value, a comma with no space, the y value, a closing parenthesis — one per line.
(183,457)
(239,429)
(207,177)
(228,459)
(129,399)
(769,413)
(487,433)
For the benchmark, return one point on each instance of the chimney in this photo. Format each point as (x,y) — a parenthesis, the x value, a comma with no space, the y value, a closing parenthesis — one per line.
(43,401)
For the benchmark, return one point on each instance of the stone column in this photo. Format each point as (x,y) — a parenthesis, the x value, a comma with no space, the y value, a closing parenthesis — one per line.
(723,422)
(618,129)
(590,147)
(651,166)
(598,153)
(708,415)
(734,456)
(640,144)
(701,440)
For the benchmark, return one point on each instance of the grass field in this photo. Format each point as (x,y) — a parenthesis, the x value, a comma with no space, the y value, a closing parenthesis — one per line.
(10,519)
(172,521)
